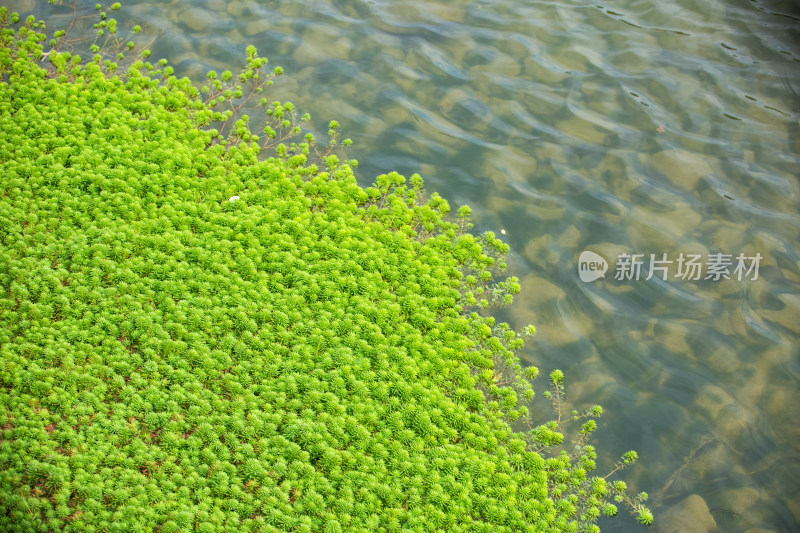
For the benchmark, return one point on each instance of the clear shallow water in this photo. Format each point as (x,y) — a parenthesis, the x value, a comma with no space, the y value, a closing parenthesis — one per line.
(617,126)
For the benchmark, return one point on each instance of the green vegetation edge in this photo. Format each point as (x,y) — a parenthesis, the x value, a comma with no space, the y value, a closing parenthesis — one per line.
(197,337)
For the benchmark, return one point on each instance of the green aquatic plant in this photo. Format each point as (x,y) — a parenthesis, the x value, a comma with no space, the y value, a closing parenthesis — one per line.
(203,329)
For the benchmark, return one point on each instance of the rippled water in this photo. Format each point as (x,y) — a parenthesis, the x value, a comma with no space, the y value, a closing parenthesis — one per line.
(619,126)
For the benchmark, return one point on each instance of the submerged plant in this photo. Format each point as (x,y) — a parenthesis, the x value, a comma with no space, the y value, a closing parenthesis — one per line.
(200,330)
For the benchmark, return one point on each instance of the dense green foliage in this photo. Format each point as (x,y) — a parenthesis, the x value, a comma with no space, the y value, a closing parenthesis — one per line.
(196,337)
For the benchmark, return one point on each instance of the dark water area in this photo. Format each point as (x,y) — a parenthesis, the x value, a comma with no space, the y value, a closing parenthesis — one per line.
(623,127)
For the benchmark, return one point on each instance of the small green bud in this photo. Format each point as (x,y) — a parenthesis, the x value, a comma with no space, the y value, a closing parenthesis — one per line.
(645,517)
(630,457)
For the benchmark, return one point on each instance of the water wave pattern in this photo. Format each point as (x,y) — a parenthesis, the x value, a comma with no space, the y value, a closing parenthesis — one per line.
(630,126)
